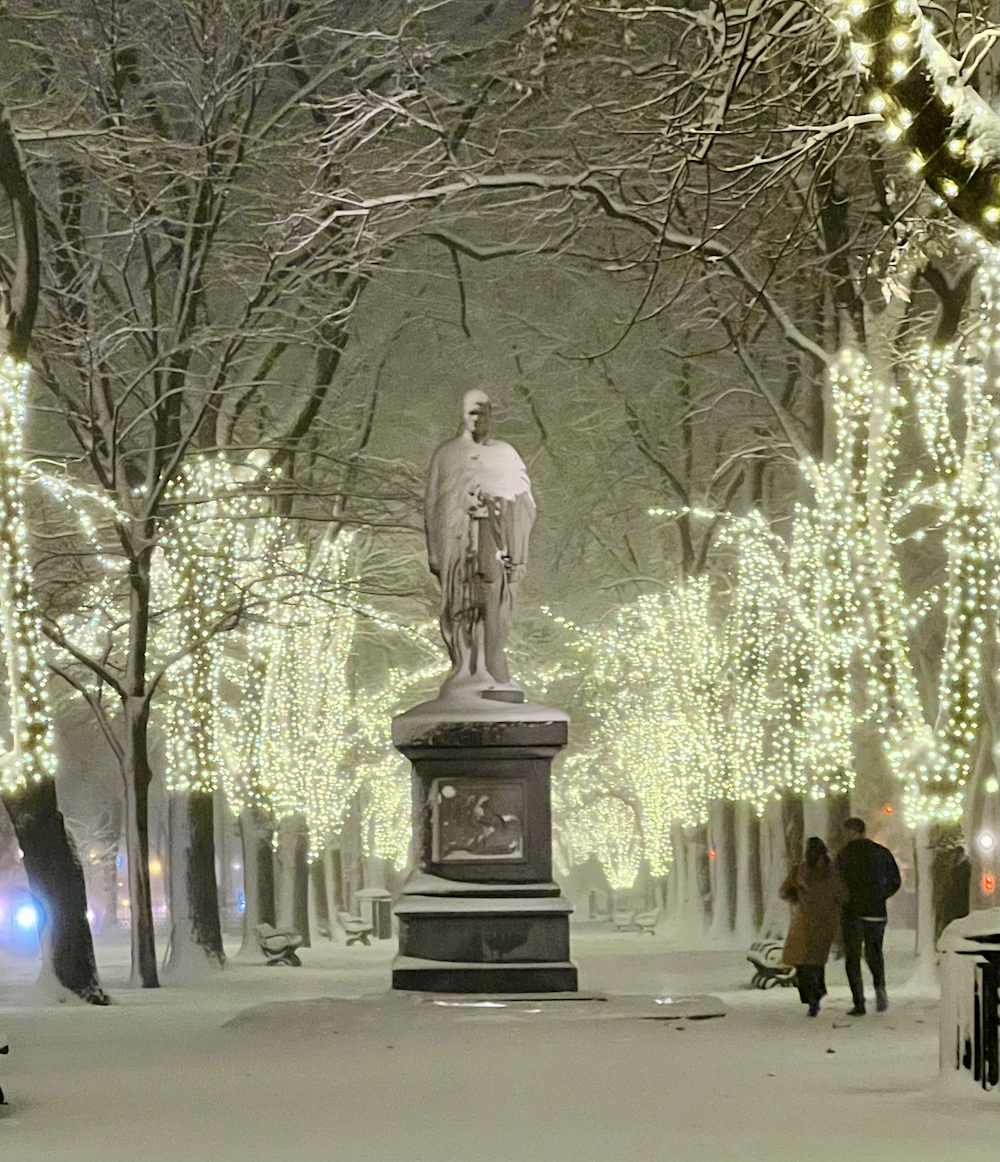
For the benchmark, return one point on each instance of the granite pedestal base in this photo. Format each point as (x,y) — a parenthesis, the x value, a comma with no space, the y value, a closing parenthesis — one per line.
(480,912)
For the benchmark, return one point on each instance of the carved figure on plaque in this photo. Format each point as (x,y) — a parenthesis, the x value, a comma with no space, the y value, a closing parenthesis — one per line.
(478,515)
(476,821)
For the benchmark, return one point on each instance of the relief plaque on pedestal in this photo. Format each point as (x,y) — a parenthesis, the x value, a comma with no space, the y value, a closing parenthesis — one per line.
(474,820)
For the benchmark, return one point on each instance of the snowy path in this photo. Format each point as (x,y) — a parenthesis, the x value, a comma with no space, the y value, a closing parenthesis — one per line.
(163,1077)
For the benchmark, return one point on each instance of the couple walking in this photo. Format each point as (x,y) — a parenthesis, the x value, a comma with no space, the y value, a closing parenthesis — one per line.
(851,896)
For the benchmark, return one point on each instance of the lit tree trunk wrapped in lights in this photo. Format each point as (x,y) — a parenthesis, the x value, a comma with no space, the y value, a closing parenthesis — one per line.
(965,449)
(237,727)
(929,741)
(27,770)
(201,557)
(653,689)
(929,106)
(386,794)
(751,636)
(189,737)
(307,719)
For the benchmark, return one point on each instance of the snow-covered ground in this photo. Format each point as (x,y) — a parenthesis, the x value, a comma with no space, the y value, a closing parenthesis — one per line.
(320,1064)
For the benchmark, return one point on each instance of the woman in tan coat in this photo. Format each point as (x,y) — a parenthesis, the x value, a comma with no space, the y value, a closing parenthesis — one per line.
(815,892)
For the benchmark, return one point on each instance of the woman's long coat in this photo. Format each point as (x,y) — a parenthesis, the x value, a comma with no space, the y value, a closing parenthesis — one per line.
(816,895)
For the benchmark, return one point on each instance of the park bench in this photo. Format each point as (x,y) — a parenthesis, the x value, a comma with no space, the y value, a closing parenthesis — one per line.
(623,921)
(636,921)
(647,921)
(278,944)
(765,956)
(355,928)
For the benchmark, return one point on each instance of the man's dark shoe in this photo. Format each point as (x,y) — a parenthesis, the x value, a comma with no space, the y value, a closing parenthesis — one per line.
(813,1010)
(857,1011)
(881,1000)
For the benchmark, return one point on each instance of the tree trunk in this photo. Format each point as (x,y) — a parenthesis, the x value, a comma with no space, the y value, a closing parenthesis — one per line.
(320,913)
(223,859)
(747,883)
(815,818)
(195,932)
(109,885)
(774,866)
(292,886)
(56,881)
(982,806)
(722,868)
(677,880)
(258,878)
(923,862)
(838,811)
(658,891)
(138,776)
(691,925)
(334,883)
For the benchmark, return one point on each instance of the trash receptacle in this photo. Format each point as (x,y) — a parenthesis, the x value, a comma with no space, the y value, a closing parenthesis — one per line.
(970,976)
(375,906)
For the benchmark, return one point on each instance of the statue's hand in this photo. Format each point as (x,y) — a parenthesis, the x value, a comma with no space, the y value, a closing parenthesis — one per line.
(514,573)
(476,505)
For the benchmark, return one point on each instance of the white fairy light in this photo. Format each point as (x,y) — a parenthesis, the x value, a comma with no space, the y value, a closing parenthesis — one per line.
(29,756)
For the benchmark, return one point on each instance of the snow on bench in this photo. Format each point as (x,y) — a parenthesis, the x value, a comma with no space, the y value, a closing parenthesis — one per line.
(636,921)
(355,928)
(278,944)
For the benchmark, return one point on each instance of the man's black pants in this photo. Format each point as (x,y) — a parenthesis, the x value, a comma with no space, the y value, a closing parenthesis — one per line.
(863,935)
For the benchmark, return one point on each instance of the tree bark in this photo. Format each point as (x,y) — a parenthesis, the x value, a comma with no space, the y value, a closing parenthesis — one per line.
(109,885)
(223,859)
(815,818)
(774,864)
(138,775)
(926,949)
(56,880)
(747,882)
(677,880)
(982,807)
(320,914)
(195,932)
(292,886)
(258,878)
(722,868)
(691,925)
(334,883)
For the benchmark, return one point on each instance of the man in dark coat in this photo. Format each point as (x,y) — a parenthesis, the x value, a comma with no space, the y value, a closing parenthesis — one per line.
(871,876)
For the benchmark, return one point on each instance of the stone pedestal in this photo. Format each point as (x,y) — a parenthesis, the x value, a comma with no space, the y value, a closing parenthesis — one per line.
(480,912)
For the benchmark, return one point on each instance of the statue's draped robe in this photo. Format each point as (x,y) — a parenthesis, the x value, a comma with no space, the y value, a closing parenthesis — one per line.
(478,514)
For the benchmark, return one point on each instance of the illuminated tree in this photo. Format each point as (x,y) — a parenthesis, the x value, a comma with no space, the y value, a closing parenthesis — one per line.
(384,777)
(27,768)
(205,579)
(651,751)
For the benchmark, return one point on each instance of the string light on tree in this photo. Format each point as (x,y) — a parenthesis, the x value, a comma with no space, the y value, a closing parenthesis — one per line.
(29,757)
(949,131)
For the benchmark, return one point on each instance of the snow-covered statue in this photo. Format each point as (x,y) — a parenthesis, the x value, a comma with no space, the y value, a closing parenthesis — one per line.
(478,515)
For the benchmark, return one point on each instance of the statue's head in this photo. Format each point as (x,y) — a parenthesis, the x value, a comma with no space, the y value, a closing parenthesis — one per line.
(476,412)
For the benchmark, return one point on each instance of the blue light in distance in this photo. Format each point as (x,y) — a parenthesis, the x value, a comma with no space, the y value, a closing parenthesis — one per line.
(26,916)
